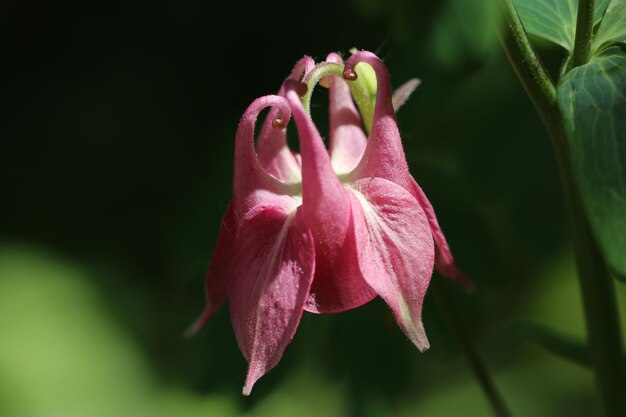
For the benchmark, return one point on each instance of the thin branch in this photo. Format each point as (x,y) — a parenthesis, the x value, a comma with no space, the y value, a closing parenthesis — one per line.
(531,73)
(474,360)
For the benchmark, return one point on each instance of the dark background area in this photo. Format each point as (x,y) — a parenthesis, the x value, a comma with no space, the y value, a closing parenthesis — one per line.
(117,124)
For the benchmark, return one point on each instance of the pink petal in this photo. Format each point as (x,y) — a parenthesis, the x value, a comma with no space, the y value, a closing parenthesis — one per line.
(395,251)
(274,153)
(444,261)
(384,156)
(338,284)
(216,277)
(273,260)
(347,139)
(252,184)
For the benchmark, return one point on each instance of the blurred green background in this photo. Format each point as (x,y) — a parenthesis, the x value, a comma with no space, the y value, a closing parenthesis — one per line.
(117,126)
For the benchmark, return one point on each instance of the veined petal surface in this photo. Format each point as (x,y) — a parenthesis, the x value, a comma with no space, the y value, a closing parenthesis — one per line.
(272,267)
(395,250)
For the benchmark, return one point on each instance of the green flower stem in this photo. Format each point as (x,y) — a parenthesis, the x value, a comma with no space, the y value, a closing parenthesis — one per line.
(315,76)
(475,362)
(530,71)
(363,89)
(598,296)
(584,33)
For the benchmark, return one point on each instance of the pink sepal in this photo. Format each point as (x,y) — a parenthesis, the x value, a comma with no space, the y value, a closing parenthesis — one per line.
(395,250)
(272,266)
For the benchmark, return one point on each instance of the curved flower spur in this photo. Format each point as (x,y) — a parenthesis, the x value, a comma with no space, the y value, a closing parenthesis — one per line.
(327,230)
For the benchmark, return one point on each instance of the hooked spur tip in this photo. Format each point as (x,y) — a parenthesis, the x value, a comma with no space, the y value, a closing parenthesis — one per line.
(279,123)
(298,87)
(349,74)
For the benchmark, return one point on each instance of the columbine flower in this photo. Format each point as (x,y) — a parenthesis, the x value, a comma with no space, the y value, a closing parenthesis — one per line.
(327,230)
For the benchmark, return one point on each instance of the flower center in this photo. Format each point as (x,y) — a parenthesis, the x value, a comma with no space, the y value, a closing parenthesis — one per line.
(363,93)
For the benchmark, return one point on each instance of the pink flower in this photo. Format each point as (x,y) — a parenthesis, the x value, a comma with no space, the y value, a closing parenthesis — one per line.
(327,230)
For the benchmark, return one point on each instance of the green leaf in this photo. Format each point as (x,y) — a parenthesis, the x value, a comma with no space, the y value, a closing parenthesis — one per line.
(613,26)
(592,98)
(554,20)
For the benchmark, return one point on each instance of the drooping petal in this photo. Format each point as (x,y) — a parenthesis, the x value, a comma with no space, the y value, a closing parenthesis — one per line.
(274,153)
(395,250)
(384,156)
(252,184)
(272,267)
(347,139)
(444,261)
(338,284)
(216,277)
